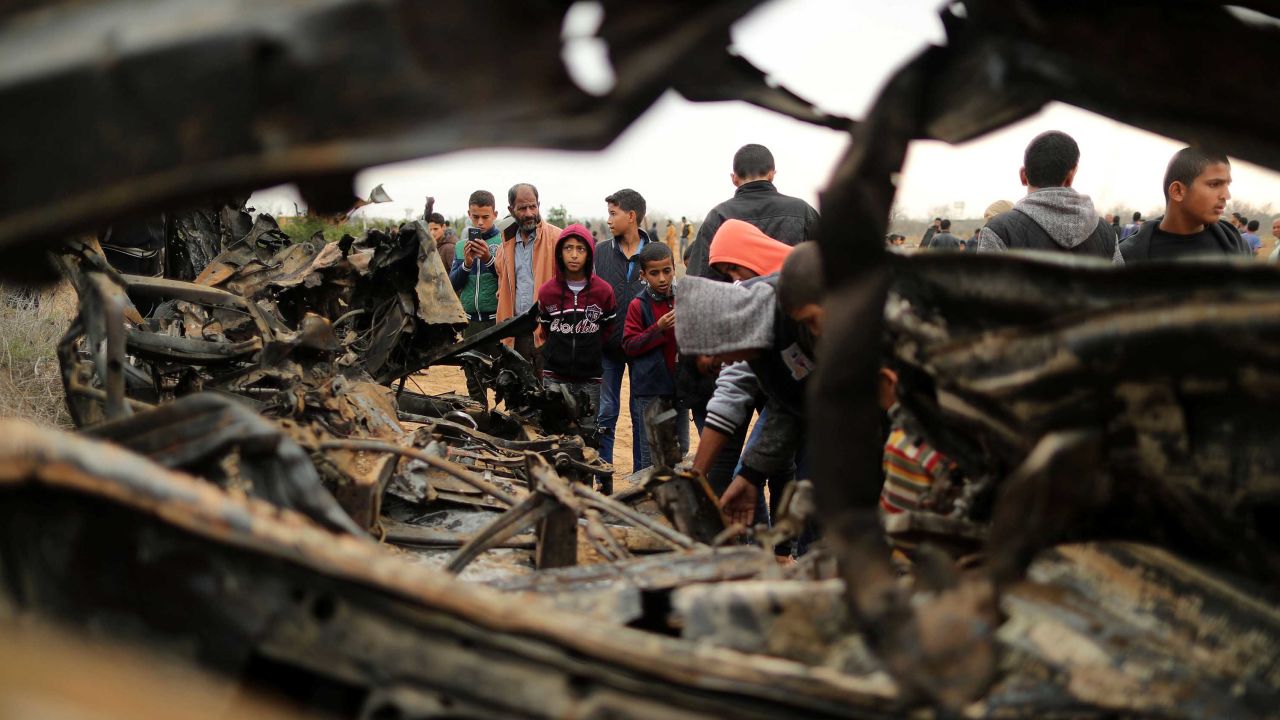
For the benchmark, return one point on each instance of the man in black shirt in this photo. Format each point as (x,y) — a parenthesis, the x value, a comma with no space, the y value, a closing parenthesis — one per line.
(1196,190)
(782,217)
(927,239)
(944,240)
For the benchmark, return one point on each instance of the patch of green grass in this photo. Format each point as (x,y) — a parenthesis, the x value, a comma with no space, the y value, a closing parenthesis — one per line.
(304,227)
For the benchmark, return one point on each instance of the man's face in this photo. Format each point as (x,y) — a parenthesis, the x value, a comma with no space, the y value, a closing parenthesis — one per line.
(1275,228)
(658,275)
(620,221)
(811,316)
(436,230)
(526,211)
(482,216)
(1206,198)
(937,224)
(737,272)
(574,254)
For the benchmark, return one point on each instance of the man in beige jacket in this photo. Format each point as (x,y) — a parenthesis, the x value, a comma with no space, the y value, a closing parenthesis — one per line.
(526,260)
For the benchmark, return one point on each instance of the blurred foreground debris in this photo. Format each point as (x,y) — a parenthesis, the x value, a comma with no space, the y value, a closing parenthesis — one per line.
(255,492)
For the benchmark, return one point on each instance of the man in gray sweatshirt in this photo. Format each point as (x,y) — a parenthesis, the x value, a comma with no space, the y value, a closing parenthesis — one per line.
(745,322)
(1053,217)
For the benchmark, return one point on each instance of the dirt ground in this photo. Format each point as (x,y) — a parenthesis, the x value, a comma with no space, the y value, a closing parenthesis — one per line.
(436,380)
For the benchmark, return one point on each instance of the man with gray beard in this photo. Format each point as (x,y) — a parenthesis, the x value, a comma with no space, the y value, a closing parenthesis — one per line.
(525,261)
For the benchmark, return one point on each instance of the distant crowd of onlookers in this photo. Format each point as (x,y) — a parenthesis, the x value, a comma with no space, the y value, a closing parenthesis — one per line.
(1053,216)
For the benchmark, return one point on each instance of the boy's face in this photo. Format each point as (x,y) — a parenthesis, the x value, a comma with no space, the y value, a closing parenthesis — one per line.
(1207,196)
(811,316)
(435,230)
(482,216)
(1275,228)
(574,254)
(737,272)
(620,221)
(658,274)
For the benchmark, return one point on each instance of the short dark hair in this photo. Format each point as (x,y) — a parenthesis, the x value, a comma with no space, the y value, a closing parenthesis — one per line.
(654,252)
(511,194)
(627,200)
(945,224)
(1137,216)
(1049,157)
(481,198)
(801,281)
(1254,225)
(752,161)
(1187,164)
(436,218)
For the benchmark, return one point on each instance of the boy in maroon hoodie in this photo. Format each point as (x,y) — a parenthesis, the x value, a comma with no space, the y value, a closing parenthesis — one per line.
(576,312)
(649,340)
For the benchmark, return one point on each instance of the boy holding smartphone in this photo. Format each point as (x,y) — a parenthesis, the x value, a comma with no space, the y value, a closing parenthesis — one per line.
(473,275)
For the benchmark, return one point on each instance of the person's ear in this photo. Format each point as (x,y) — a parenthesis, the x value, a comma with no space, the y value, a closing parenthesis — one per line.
(1177,191)
(1022,176)
(737,181)
(1071,176)
(769,177)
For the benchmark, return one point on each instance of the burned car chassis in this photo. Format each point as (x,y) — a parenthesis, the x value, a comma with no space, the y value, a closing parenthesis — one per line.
(1091,631)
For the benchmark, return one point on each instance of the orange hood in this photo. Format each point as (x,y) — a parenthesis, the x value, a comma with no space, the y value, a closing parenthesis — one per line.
(742,243)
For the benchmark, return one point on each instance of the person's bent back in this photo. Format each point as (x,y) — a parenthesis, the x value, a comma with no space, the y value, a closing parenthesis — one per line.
(1052,217)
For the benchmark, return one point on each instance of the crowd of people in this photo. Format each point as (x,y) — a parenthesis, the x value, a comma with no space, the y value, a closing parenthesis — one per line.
(738,338)
(1053,216)
(608,309)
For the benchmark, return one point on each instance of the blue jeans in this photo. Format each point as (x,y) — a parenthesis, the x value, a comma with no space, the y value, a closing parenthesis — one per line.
(610,406)
(682,429)
(777,486)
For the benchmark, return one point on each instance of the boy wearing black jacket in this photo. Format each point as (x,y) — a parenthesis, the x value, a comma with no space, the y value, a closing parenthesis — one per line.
(617,263)
(1196,190)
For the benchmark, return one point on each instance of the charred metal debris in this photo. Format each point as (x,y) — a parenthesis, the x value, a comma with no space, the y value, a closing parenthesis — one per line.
(256,489)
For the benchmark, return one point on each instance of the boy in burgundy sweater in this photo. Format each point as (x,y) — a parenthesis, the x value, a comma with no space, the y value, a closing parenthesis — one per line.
(649,340)
(576,312)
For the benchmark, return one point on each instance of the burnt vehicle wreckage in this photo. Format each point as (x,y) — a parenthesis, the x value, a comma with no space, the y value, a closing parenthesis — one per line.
(254,491)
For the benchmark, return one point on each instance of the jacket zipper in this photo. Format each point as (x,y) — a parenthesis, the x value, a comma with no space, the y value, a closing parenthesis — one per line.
(479,312)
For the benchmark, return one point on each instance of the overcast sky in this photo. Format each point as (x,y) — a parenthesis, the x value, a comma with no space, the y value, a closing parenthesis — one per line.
(837,54)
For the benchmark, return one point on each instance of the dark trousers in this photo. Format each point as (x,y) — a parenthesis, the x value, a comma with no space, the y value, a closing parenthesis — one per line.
(611,408)
(528,349)
(642,402)
(476,389)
